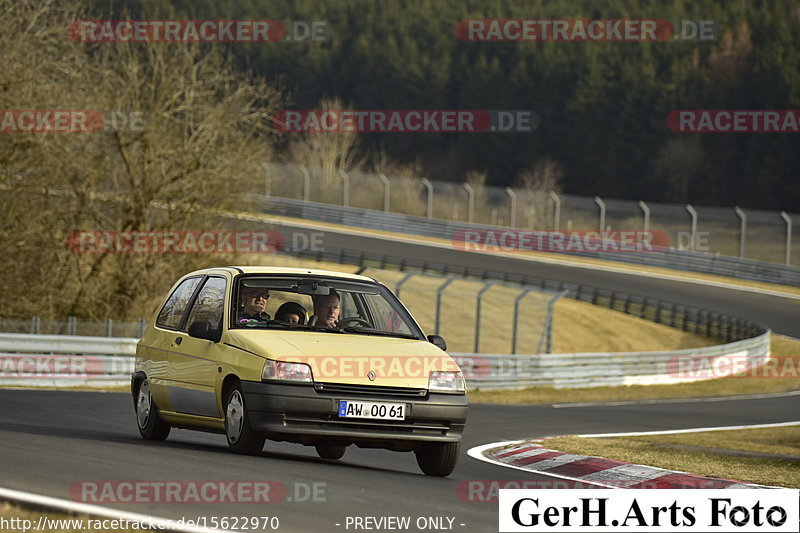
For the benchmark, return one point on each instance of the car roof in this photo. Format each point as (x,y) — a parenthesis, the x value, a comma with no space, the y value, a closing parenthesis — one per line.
(282,270)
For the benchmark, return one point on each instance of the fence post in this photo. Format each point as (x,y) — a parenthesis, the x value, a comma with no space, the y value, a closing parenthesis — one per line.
(786,218)
(485,288)
(35,325)
(517,300)
(386,191)
(306,183)
(513,196)
(142,325)
(742,229)
(646,212)
(602,205)
(109,326)
(71,325)
(556,210)
(402,281)
(345,188)
(267,182)
(439,292)
(428,185)
(693,213)
(470,202)
(547,334)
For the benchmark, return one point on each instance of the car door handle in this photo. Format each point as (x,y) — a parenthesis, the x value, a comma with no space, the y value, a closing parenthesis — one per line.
(178,340)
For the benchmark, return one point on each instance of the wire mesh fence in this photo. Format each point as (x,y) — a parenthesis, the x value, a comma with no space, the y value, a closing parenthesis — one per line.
(755,234)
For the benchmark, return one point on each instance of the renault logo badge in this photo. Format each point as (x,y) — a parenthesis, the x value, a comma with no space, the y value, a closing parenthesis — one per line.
(371,375)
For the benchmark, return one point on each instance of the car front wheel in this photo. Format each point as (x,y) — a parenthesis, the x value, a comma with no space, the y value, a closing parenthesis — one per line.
(151,426)
(437,458)
(241,437)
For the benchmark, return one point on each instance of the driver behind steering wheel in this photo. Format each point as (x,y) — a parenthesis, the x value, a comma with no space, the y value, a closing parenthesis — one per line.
(326,309)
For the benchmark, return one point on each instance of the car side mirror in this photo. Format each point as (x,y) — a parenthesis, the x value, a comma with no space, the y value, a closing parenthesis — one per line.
(202,330)
(438,341)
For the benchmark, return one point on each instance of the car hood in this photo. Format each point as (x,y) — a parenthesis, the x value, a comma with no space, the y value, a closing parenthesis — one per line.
(349,358)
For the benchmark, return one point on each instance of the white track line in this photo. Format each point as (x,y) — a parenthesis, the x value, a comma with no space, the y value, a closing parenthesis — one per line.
(96,510)
(679,400)
(536,259)
(692,430)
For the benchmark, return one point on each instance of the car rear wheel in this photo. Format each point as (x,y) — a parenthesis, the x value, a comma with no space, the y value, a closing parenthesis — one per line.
(329,451)
(241,437)
(151,426)
(437,458)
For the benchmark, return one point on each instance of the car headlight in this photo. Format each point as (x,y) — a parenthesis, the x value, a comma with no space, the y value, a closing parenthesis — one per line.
(446,382)
(284,371)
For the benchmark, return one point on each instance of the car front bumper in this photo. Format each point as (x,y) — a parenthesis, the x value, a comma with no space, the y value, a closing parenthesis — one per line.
(309,415)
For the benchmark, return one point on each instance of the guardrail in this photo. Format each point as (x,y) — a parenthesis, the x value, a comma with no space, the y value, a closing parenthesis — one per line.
(581,370)
(58,361)
(65,361)
(740,268)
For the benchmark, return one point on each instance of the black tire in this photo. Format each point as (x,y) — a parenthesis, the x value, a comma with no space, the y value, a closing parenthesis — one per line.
(241,437)
(150,424)
(330,451)
(437,458)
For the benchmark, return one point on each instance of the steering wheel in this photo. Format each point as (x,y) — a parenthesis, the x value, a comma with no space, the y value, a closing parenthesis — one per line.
(357,319)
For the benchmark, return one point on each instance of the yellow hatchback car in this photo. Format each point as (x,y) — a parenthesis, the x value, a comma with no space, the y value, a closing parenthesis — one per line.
(319,358)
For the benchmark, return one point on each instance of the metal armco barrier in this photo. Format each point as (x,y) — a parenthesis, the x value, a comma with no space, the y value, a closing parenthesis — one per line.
(581,370)
(54,362)
(65,360)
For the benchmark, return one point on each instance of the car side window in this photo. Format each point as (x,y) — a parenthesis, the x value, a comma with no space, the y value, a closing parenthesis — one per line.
(172,312)
(209,304)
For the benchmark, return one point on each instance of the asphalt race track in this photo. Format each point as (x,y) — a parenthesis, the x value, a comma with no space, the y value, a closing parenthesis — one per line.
(54,439)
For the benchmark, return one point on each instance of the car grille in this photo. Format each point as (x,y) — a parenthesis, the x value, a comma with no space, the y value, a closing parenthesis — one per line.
(366,390)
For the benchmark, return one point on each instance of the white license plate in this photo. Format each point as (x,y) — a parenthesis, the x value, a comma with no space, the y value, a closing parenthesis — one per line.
(374,410)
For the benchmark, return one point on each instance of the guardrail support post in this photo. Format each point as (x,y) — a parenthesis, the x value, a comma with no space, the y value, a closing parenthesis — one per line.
(387,188)
(742,230)
(693,212)
(646,215)
(786,218)
(485,288)
(345,188)
(602,205)
(109,326)
(402,282)
(35,325)
(517,300)
(513,196)
(428,185)
(306,183)
(470,202)
(439,292)
(556,210)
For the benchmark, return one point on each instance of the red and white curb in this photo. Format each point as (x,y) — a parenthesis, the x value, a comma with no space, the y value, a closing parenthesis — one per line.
(531,456)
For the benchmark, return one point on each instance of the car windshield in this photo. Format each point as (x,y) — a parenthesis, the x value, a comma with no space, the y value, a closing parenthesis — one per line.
(320,304)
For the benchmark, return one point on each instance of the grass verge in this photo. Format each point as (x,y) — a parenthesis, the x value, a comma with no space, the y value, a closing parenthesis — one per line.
(21,519)
(768,456)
